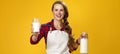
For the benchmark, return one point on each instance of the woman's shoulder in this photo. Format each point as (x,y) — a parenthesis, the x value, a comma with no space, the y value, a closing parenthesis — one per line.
(48,24)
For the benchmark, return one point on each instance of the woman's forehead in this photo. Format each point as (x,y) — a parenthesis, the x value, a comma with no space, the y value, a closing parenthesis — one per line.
(58,6)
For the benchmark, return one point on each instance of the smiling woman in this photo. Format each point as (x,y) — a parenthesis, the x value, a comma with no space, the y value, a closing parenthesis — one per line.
(99,18)
(57,33)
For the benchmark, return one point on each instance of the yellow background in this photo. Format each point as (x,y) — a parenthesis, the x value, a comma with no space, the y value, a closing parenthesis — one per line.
(100,18)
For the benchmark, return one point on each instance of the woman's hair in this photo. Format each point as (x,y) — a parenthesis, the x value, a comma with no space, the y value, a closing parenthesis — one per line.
(66,24)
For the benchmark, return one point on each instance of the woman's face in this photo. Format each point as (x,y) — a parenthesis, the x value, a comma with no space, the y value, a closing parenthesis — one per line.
(58,12)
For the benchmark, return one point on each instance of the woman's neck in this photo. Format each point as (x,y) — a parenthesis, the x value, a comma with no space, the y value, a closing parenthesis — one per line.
(57,24)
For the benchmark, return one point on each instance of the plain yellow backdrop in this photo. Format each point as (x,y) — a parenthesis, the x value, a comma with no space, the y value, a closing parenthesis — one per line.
(99,18)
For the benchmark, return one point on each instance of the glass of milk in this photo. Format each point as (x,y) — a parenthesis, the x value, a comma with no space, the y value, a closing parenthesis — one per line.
(36,25)
(84,43)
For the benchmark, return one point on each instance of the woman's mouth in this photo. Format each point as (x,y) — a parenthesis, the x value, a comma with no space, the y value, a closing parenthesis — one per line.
(58,16)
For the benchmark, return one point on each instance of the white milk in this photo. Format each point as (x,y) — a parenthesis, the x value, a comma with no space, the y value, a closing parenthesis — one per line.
(36,25)
(84,44)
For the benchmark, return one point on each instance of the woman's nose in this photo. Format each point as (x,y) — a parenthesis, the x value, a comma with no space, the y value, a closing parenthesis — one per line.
(59,12)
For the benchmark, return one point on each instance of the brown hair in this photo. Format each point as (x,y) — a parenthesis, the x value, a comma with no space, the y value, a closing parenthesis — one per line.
(66,24)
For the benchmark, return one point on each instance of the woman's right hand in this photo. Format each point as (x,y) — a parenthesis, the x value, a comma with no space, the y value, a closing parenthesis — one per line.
(35,29)
(35,36)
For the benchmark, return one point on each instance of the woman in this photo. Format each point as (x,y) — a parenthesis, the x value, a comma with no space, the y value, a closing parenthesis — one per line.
(57,33)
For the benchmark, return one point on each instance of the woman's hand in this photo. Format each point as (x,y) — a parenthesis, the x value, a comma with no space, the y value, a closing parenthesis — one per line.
(78,41)
(83,35)
(73,45)
(34,34)
(35,29)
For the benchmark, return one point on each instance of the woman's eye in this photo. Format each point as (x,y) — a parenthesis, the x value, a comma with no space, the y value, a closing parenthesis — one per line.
(56,9)
(61,9)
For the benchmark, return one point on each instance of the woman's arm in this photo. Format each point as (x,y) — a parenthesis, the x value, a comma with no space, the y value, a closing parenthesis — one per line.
(74,45)
(77,43)
(36,36)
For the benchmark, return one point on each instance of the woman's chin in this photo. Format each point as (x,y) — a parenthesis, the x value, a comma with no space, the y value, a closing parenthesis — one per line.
(59,19)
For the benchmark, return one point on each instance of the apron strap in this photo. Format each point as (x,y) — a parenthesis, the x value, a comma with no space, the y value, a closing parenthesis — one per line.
(50,28)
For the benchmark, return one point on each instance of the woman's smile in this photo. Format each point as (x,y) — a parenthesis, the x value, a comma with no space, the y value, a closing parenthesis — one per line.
(58,16)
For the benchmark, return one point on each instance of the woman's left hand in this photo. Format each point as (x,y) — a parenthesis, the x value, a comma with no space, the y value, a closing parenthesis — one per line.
(78,41)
